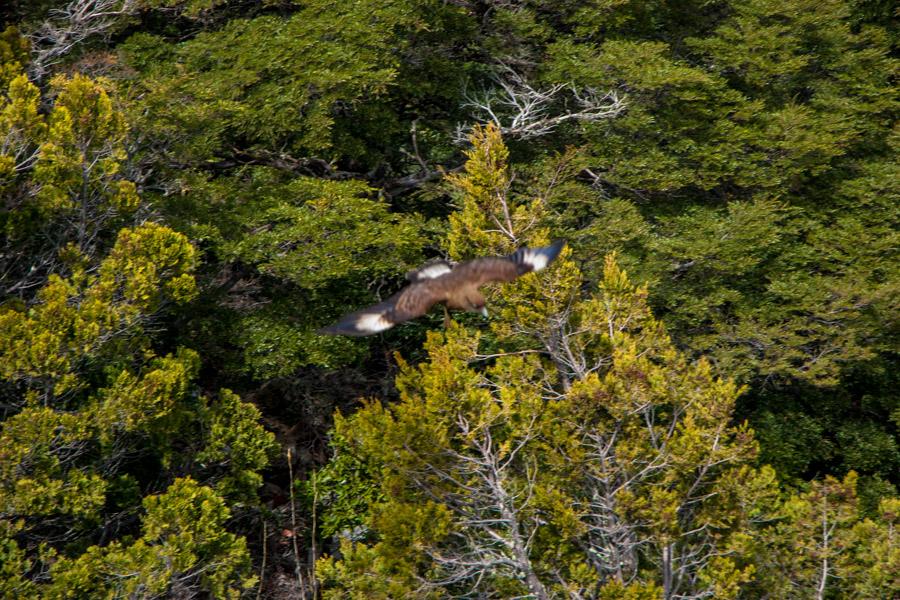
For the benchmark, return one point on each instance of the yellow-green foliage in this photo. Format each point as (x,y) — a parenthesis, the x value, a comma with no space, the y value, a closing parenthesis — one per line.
(872,567)
(137,403)
(22,125)
(14,49)
(237,445)
(147,265)
(20,116)
(490,218)
(61,174)
(184,543)
(48,456)
(563,448)
(13,566)
(85,395)
(363,573)
(74,318)
(48,473)
(36,479)
(647,431)
(820,541)
(83,150)
(572,450)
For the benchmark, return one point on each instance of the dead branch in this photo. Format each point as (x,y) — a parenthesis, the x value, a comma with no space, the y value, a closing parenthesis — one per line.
(68,27)
(523,112)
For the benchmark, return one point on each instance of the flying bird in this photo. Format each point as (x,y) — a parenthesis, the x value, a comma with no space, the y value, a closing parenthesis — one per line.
(453,285)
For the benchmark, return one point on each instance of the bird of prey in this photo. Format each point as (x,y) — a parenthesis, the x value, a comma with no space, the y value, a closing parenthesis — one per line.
(453,285)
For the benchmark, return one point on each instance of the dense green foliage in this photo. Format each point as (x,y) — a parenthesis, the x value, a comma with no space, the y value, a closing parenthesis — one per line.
(191,188)
(96,415)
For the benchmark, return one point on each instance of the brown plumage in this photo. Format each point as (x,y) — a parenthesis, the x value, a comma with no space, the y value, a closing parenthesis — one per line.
(454,286)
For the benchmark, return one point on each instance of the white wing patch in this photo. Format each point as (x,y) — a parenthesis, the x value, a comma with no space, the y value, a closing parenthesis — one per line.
(372,322)
(432,271)
(536,259)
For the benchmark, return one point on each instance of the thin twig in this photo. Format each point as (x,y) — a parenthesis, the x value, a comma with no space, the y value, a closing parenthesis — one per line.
(294,521)
(312,568)
(262,568)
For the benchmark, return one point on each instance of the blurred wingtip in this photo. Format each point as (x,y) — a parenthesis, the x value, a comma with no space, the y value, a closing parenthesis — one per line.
(359,324)
(555,248)
(536,259)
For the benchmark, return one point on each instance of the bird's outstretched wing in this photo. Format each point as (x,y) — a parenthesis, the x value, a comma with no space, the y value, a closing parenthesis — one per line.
(432,270)
(507,268)
(411,302)
(442,282)
(536,259)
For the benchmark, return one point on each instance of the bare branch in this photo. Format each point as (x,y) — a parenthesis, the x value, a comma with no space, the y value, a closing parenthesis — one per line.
(70,26)
(495,522)
(523,112)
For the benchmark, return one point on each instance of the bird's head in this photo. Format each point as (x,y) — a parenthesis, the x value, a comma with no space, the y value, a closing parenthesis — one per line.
(477,306)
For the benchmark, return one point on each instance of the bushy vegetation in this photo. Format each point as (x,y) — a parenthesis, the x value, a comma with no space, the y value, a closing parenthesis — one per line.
(697,399)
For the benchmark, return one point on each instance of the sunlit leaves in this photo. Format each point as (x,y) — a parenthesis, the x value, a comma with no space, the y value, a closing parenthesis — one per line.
(75,318)
(14,49)
(87,400)
(651,435)
(612,444)
(820,543)
(61,172)
(184,543)
(236,445)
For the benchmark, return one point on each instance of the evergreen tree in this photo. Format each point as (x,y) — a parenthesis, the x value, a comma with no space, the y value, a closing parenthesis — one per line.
(820,547)
(94,416)
(192,187)
(607,468)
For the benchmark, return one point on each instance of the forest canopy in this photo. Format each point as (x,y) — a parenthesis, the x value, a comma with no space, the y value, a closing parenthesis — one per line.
(697,399)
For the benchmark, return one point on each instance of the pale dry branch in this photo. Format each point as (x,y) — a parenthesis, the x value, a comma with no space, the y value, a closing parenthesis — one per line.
(70,26)
(495,524)
(523,112)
